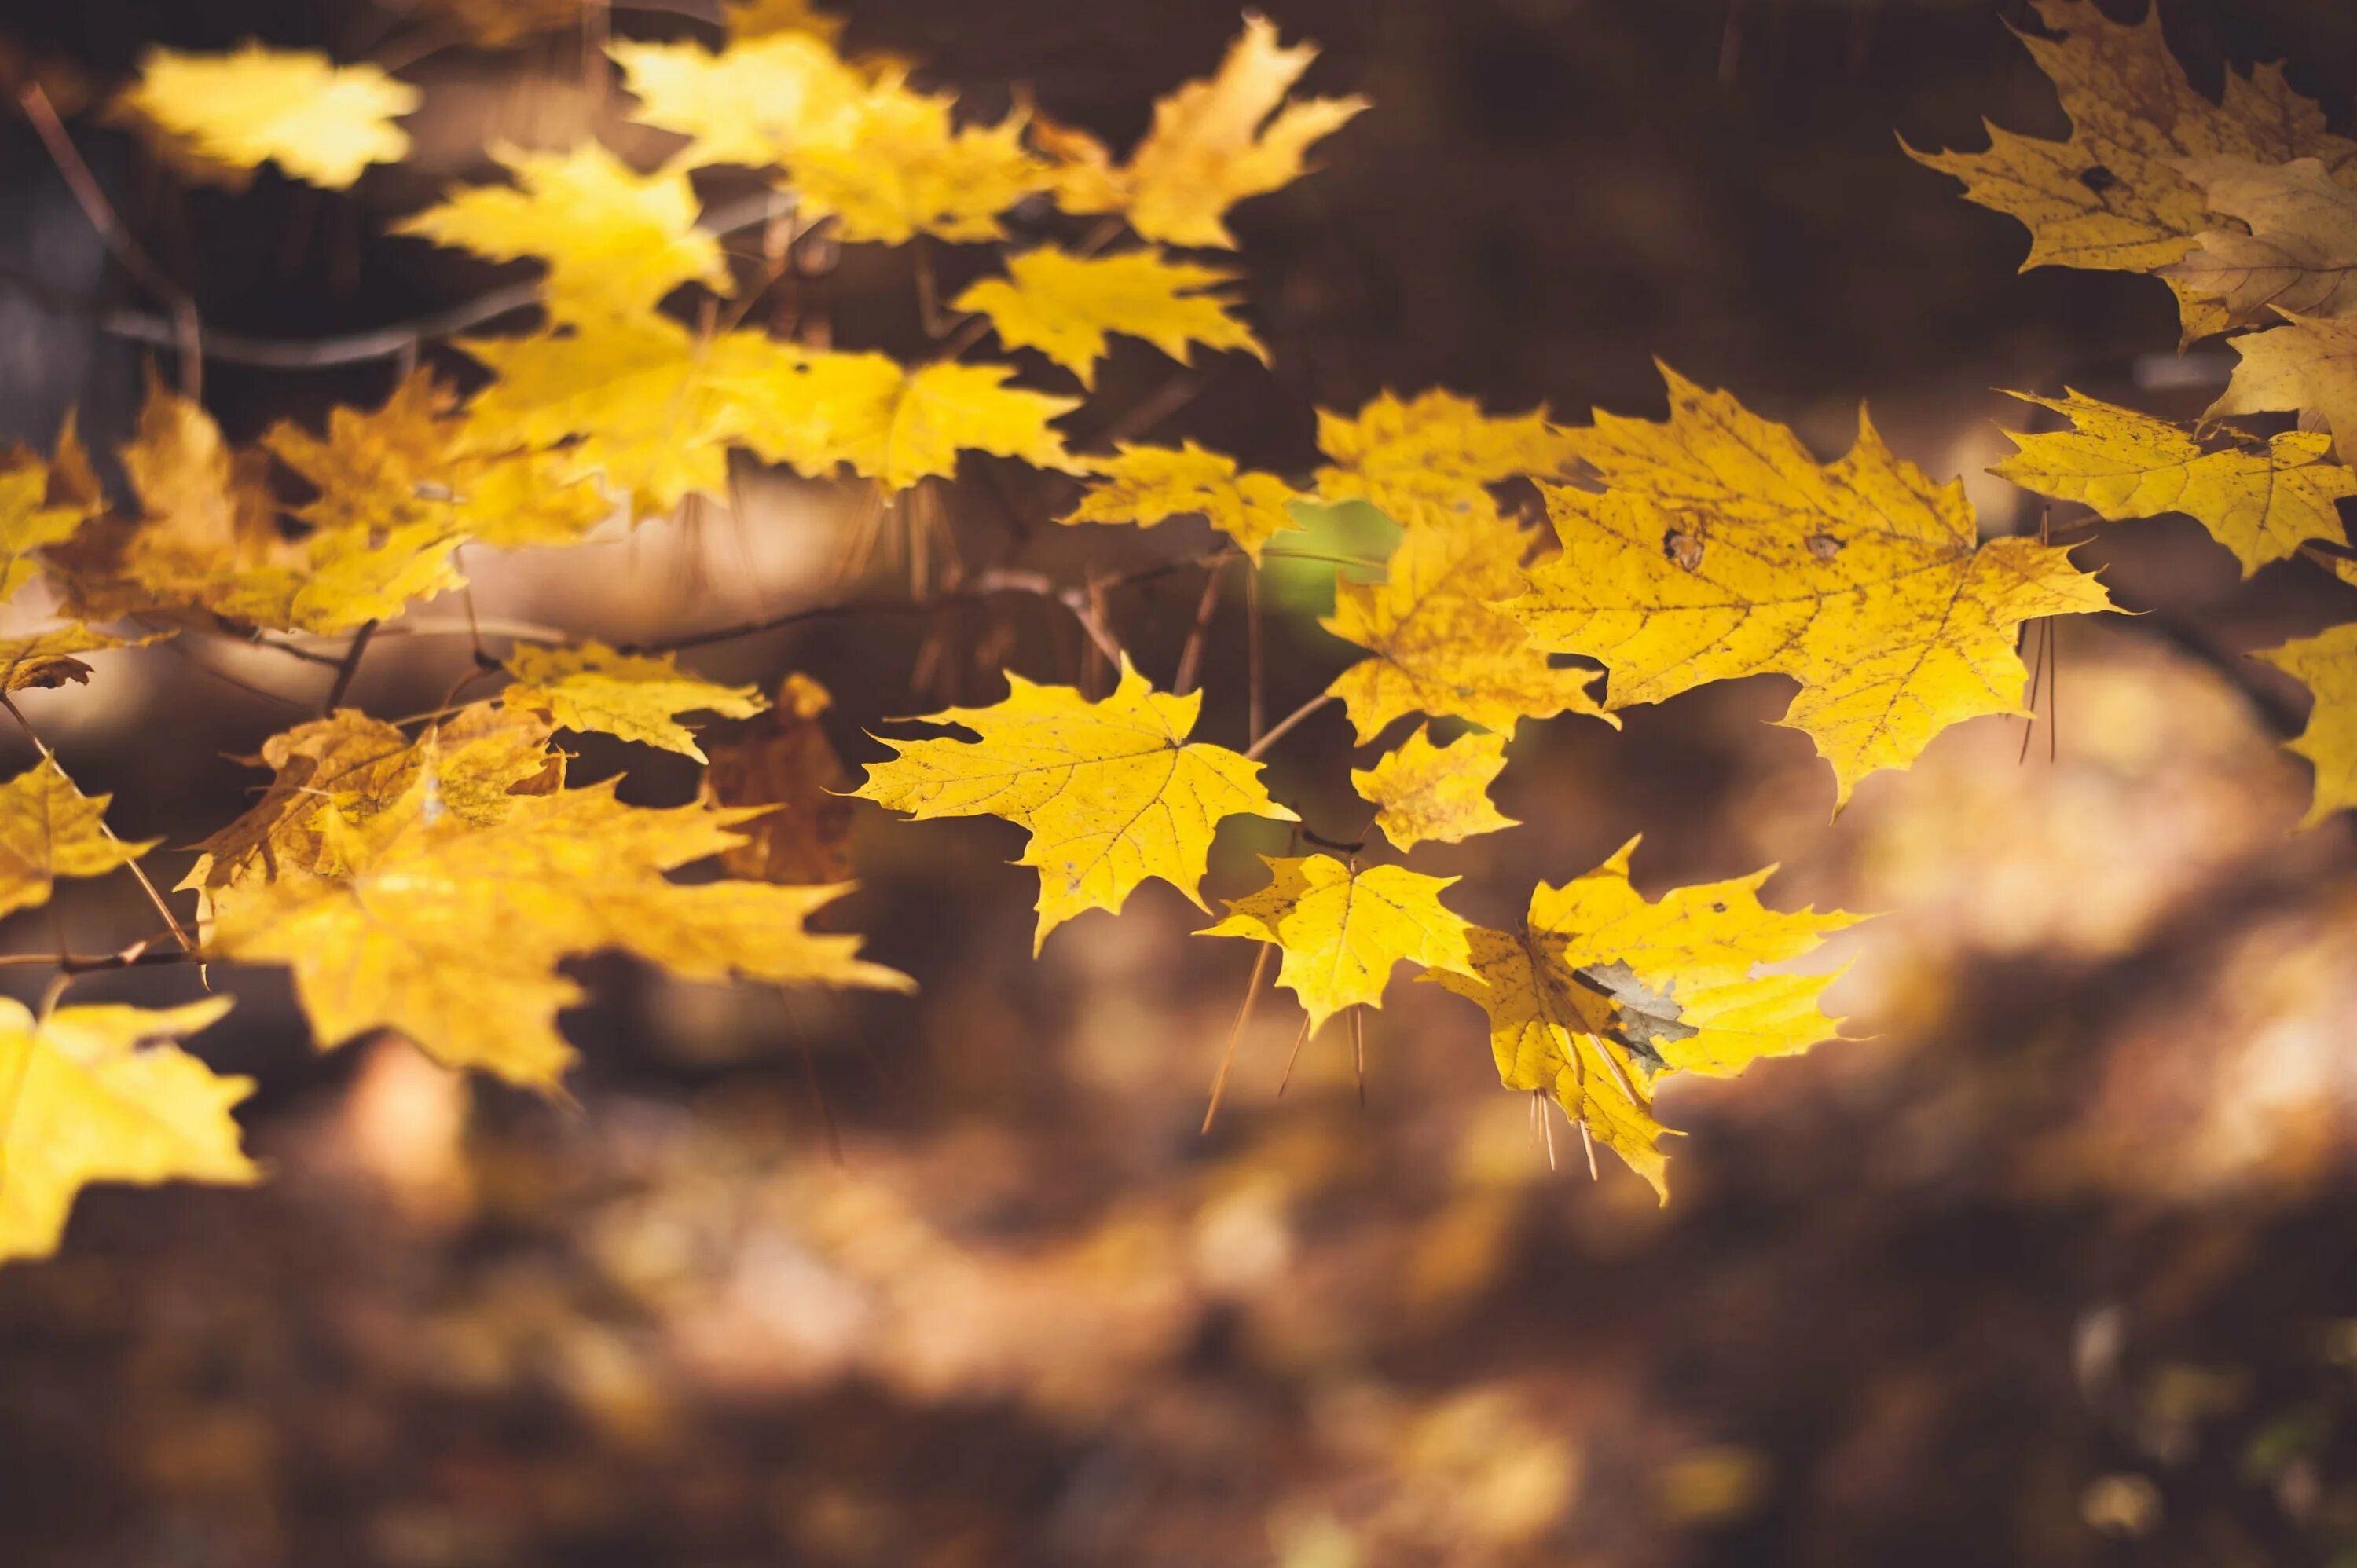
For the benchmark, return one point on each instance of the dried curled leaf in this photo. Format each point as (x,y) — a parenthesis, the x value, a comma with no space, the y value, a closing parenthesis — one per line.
(1722,549)
(2309,366)
(2301,250)
(615,241)
(99,1094)
(2327,665)
(1146,485)
(784,763)
(49,829)
(2113,197)
(2260,502)
(1438,644)
(450,931)
(1213,143)
(1415,457)
(636,697)
(1342,928)
(1112,791)
(1599,992)
(319,121)
(46,658)
(1435,792)
(1064,306)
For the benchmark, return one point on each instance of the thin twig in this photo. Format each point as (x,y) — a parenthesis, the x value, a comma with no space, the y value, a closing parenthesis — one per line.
(1228,1056)
(186,332)
(1295,1055)
(1277,731)
(1191,655)
(138,955)
(350,667)
(133,866)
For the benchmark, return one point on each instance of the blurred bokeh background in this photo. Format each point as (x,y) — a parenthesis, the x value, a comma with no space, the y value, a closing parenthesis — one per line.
(2053,1266)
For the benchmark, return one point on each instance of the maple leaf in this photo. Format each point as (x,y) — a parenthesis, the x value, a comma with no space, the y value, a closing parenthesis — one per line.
(2299,252)
(1439,645)
(1112,791)
(763,18)
(81,1101)
(2113,197)
(892,423)
(318,121)
(1435,792)
(2327,665)
(1598,992)
(451,932)
(1064,306)
(615,241)
(905,170)
(2259,502)
(46,658)
(1146,485)
(406,462)
(2310,366)
(34,514)
(1411,457)
(49,829)
(342,579)
(1722,549)
(1342,928)
(1213,143)
(755,103)
(784,763)
(637,697)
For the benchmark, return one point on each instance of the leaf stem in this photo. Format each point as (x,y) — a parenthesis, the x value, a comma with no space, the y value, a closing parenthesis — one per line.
(154,896)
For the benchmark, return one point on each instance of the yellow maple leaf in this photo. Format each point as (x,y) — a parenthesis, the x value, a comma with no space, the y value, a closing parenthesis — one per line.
(451,932)
(1146,485)
(82,1101)
(784,764)
(755,103)
(615,241)
(206,511)
(406,462)
(34,514)
(2327,665)
(2309,366)
(1213,143)
(49,829)
(2299,250)
(1409,456)
(1112,791)
(1599,992)
(46,658)
(906,169)
(337,580)
(1722,549)
(763,18)
(894,423)
(591,687)
(1438,644)
(319,121)
(2258,501)
(1439,793)
(1064,306)
(2112,197)
(1342,928)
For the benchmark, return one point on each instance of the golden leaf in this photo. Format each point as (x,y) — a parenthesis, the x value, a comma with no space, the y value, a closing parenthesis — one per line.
(591,687)
(34,514)
(1112,791)
(784,763)
(2327,665)
(814,409)
(755,102)
(1213,143)
(616,241)
(80,1101)
(2112,197)
(1064,306)
(1342,928)
(1600,994)
(1440,646)
(1723,550)
(2310,366)
(1435,792)
(1410,457)
(318,121)
(1146,485)
(905,170)
(2301,250)
(49,829)
(2259,502)
(451,932)
(339,580)
(764,18)
(47,659)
